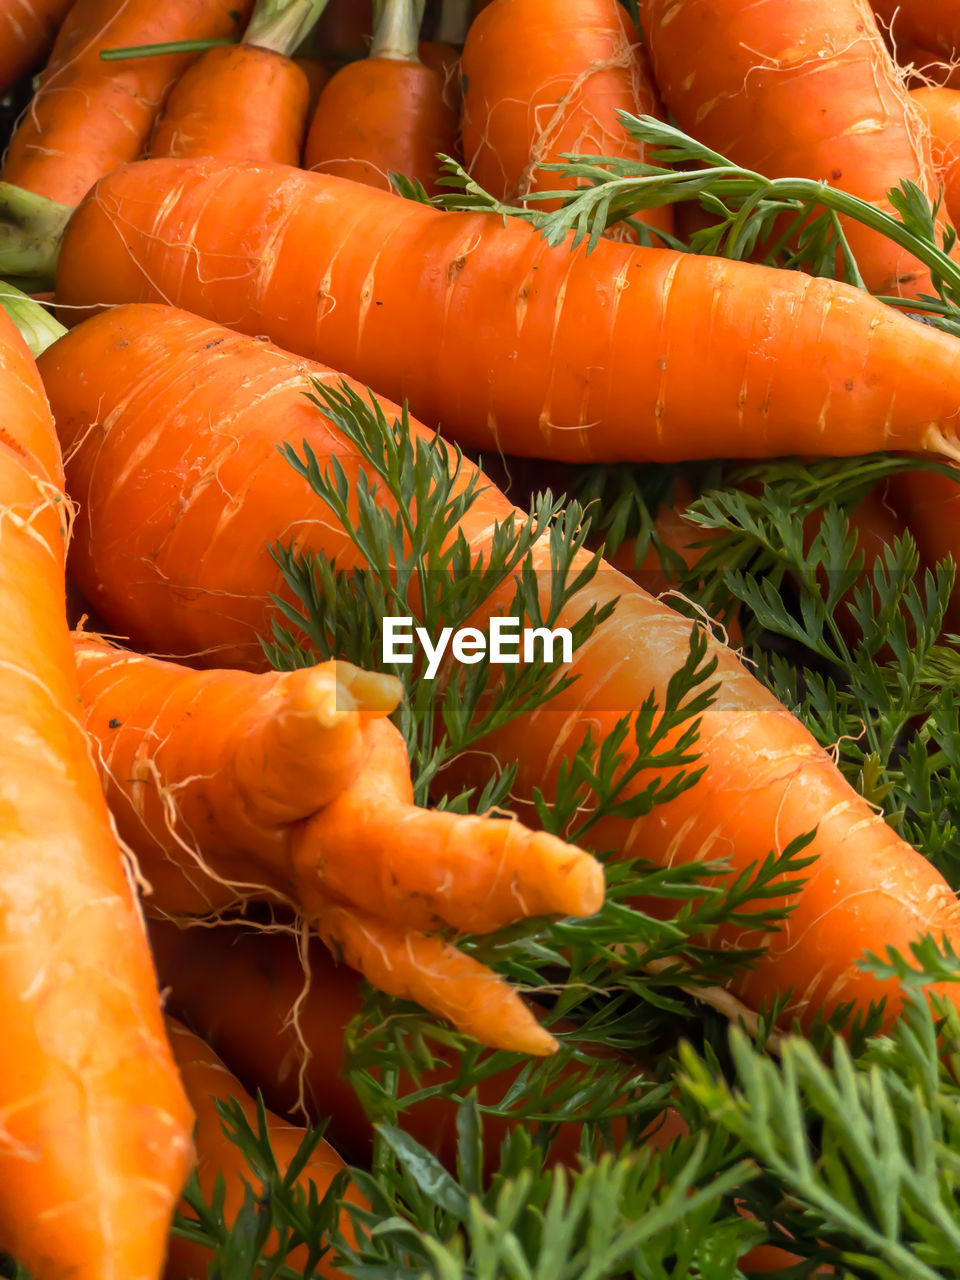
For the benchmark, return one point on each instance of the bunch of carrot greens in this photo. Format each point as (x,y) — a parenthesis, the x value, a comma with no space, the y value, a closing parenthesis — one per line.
(637,319)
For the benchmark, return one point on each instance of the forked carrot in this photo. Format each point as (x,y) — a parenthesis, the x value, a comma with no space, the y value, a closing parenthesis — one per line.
(386,113)
(88,116)
(626,353)
(94,1144)
(248,99)
(164,393)
(544,80)
(207,1082)
(804,89)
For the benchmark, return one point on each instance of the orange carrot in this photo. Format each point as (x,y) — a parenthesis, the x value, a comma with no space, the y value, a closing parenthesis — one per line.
(88,116)
(95,1144)
(929,504)
(934,25)
(27,31)
(386,113)
(164,393)
(225,980)
(249,99)
(544,80)
(799,89)
(207,1081)
(940,108)
(318,75)
(344,29)
(295,781)
(229,786)
(627,353)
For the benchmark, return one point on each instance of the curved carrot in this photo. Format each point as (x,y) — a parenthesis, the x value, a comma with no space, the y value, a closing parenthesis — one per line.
(940,108)
(249,99)
(27,31)
(627,353)
(295,782)
(184,399)
(386,113)
(806,89)
(933,25)
(88,116)
(207,1081)
(94,1146)
(544,80)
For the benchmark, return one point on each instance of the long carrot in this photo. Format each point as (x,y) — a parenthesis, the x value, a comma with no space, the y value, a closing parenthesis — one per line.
(229,786)
(164,393)
(625,353)
(207,1081)
(88,116)
(27,31)
(933,25)
(386,113)
(94,1145)
(807,89)
(248,99)
(543,80)
(940,108)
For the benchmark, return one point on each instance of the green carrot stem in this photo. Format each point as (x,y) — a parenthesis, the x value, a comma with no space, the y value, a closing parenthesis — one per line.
(397,31)
(38,328)
(158,50)
(31,228)
(283,25)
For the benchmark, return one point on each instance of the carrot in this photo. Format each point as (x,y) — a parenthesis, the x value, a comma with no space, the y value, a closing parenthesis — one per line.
(248,99)
(544,80)
(95,1145)
(225,980)
(386,113)
(207,1081)
(929,504)
(318,75)
(344,29)
(163,393)
(516,346)
(924,67)
(799,89)
(444,60)
(27,32)
(940,108)
(88,116)
(230,786)
(298,780)
(934,26)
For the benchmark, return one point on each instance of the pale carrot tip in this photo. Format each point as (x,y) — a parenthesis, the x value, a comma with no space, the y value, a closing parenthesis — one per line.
(316,693)
(371,691)
(536,1041)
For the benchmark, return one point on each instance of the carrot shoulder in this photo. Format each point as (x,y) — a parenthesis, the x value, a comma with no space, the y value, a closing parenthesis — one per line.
(95,1140)
(626,353)
(767,781)
(545,80)
(799,89)
(27,30)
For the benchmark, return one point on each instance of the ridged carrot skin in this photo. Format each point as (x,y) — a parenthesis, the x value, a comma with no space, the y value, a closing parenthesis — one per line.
(934,24)
(627,353)
(144,391)
(207,1081)
(544,80)
(804,90)
(379,116)
(236,100)
(88,116)
(940,108)
(27,32)
(95,1145)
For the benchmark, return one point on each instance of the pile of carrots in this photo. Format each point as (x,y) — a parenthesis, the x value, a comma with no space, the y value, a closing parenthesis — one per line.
(207,194)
